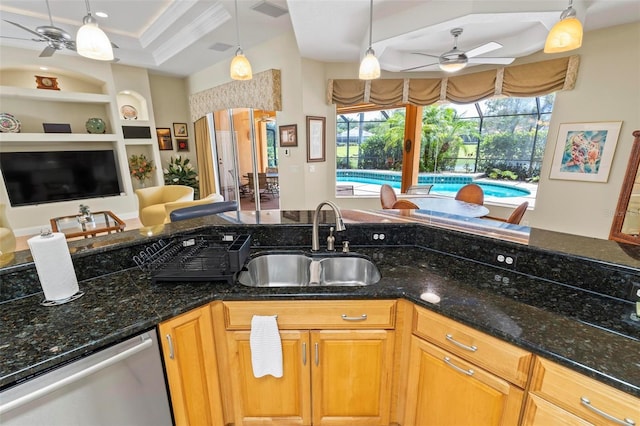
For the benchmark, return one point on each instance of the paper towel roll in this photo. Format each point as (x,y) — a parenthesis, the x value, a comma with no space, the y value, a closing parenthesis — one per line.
(53,263)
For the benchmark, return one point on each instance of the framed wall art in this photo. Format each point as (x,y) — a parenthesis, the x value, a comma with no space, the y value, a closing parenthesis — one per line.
(289,135)
(180,130)
(315,139)
(584,151)
(183,144)
(164,139)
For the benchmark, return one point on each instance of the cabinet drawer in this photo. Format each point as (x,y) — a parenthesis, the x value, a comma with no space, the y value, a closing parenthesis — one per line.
(332,314)
(505,360)
(566,388)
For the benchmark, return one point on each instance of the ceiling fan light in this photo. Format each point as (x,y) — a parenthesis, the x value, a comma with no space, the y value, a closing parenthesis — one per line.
(369,67)
(240,68)
(564,36)
(452,66)
(93,43)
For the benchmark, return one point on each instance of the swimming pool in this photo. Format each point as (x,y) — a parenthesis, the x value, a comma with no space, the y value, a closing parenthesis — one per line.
(443,184)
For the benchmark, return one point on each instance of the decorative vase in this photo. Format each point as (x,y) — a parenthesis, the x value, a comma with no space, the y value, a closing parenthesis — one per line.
(96,125)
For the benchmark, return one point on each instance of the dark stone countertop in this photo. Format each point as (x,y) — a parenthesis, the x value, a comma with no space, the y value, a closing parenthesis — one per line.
(583,331)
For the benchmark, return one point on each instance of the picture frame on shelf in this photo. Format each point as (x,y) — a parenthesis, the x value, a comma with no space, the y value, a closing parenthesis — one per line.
(183,144)
(164,139)
(180,130)
(289,135)
(316,146)
(584,151)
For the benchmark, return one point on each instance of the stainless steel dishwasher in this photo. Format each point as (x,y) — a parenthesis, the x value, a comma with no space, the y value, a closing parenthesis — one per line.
(121,385)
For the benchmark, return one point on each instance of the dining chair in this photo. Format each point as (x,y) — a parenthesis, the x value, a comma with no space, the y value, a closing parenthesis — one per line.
(263,186)
(419,189)
(404,204)
(471,193)
(387,196)
(516,215)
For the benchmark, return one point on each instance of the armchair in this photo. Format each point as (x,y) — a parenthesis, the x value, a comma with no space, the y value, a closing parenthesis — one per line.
(152,202)
(7,237)
(170,207)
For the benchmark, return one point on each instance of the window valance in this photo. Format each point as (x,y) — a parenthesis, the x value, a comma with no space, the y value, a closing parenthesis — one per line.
(527,80)
(263,91)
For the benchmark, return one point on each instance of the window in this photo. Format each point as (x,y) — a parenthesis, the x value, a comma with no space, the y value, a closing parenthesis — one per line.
(498,138)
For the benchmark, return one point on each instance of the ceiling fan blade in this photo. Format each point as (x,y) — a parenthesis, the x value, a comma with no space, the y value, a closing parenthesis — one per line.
(22,38)
(485,48)
(418,67)
(115,46)
(424,54)
(25,28)
(504,61)
(48,51)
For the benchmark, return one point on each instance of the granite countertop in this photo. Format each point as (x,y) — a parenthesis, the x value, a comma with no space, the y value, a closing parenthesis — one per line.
(583,332)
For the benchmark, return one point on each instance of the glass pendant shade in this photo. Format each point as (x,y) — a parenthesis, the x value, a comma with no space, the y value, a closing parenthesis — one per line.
(240,68)
(93,43)
(369,67)
(564,36)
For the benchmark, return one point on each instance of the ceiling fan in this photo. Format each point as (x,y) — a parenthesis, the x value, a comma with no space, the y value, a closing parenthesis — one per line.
(56,38)
(456,59)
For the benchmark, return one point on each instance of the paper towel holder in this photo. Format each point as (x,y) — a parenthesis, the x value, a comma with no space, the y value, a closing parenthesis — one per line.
(78,295)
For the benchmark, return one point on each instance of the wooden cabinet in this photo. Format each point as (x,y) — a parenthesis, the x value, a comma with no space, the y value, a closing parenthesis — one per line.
(575,399)
(190,363)
(444,389)
(330,376)
(459,376)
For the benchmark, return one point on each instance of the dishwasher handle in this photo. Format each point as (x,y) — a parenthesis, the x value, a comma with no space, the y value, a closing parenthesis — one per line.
(18,402)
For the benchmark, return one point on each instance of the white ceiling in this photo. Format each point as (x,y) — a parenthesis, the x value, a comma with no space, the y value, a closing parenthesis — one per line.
(175,36)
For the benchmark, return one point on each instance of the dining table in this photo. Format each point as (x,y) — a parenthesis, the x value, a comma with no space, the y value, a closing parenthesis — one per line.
(450,206)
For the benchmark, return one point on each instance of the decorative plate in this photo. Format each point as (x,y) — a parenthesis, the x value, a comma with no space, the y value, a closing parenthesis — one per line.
(129,112)
(96,125)
(8,123)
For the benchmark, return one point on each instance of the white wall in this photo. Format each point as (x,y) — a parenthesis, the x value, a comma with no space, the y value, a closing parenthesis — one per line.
(171,105)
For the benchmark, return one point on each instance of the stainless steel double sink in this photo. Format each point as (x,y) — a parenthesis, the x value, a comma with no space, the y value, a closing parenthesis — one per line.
(295,269)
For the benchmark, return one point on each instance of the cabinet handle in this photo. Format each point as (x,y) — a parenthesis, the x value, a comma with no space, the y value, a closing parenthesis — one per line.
(468,372)
(363,317)
(317,351)
(304,353)
(461,345)
(626,422)
(170,346)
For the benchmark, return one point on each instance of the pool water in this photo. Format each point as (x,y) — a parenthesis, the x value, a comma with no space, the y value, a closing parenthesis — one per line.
(450,189)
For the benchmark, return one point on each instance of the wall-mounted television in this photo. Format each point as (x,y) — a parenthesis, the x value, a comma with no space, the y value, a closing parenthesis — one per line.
(54,176)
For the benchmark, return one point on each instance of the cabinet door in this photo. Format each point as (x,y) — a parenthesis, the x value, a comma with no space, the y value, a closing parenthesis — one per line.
(539,412)
(190,361)
(270,400)
(351,376)
(446,390)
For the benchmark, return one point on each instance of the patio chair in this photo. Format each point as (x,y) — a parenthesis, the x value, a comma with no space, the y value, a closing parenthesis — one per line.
(387,196)
(471,193)
(419,189)
(405,204)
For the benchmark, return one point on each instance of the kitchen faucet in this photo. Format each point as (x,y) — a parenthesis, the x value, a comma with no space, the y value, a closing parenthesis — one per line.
(315,242)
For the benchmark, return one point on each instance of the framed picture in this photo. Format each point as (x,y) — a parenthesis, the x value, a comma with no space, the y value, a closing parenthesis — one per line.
(584,151)
(183,144)
(315,139)
(289,135)
(180,130)
(164,139)
(50,83)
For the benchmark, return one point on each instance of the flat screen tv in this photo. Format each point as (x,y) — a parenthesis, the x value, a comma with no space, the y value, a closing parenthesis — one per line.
(54,176)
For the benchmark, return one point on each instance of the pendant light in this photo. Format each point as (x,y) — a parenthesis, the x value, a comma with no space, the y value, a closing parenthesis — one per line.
(565,35)
(240,67)
(370,67)
(91,41)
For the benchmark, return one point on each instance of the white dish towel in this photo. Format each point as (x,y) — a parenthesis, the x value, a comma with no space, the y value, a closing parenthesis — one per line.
(266,347)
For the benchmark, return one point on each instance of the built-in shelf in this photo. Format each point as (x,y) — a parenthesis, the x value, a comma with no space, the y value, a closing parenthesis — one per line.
(139,141)
(56,137)
(53,95)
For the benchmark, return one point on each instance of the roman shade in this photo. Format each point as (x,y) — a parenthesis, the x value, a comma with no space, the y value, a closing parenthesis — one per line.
(534,79)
